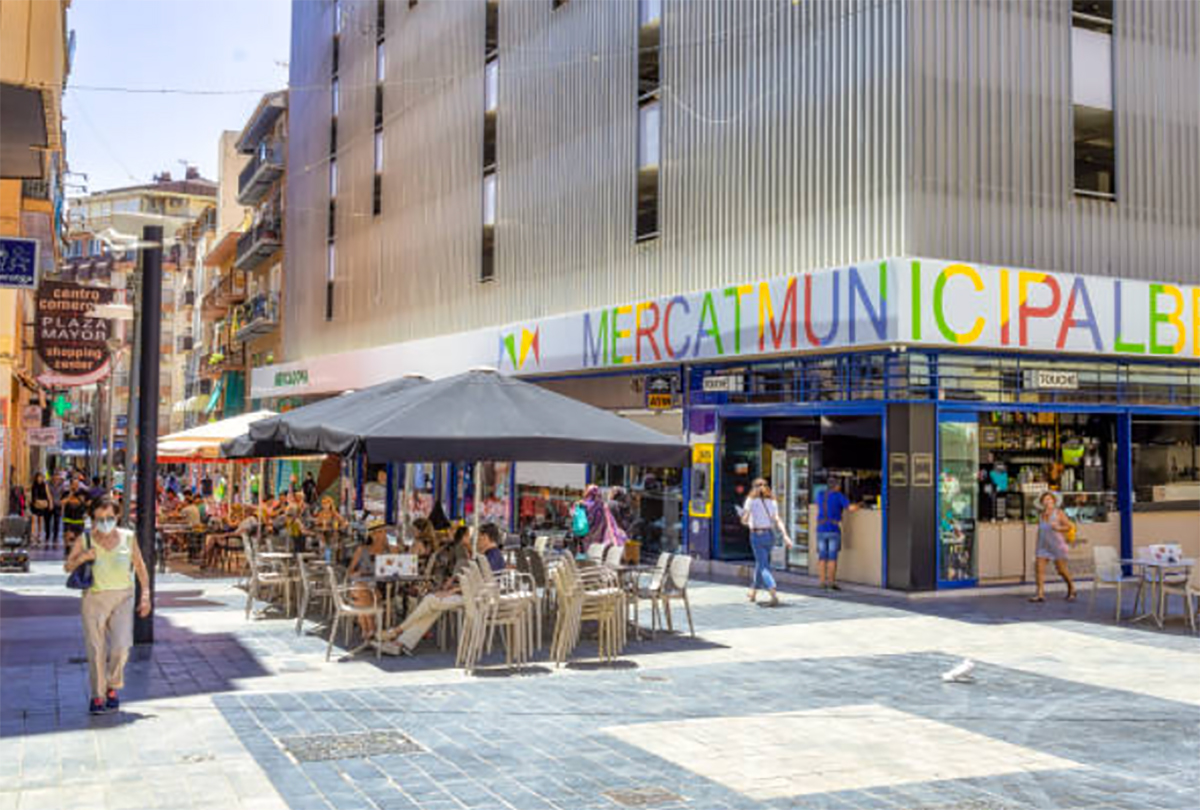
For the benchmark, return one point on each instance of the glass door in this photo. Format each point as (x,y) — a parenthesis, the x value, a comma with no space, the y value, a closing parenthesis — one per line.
(958,440)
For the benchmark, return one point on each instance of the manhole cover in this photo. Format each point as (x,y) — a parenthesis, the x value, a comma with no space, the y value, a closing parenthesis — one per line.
(643,797)
(318,747)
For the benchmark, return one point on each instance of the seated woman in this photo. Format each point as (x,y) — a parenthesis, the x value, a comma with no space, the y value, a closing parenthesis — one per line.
(328,524)
(362,569)
(214,543)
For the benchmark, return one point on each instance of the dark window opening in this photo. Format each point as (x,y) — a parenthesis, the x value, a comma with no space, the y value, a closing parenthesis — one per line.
(380,18)
(334,72)
(379,105)
(489,142)
(649,59)
(555,4)
(412,3)
(1095,152)
(329,300)
(1097,14)
(333,137)
(491,36)
(332,231)
(487,266)
(377,203)
(647,205)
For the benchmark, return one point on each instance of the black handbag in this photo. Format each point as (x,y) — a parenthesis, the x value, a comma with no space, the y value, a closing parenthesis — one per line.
(81,577)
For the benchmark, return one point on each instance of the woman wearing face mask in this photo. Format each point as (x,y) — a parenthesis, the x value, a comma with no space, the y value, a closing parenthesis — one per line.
(108,604)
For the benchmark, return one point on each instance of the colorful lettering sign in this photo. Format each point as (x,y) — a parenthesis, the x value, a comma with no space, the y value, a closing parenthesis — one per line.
(18,262)
(909,301)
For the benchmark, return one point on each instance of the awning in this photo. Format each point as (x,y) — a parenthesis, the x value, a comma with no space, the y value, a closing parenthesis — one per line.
(205,441)
(215,399)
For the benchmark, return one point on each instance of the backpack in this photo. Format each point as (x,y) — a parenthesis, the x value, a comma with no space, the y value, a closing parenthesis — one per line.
(579,521)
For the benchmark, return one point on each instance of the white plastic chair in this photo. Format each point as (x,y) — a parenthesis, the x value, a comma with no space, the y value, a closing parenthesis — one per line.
(1109,575)
(613,556)
(595,552)
(675,587)
(1188,589)
(347,611)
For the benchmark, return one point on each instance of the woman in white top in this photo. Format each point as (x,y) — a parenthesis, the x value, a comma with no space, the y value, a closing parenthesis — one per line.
(761,516)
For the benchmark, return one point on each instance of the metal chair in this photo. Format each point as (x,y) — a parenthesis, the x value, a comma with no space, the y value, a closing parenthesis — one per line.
(347,611)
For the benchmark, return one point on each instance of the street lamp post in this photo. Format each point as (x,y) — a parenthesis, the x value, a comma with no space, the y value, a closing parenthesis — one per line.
(149,305)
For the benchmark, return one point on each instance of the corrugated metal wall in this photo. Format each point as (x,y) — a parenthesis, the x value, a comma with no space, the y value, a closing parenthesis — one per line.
(796,135)
(991,139)
(781,150)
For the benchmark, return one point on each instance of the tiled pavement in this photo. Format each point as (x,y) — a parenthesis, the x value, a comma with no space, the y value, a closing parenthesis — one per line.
(827,702)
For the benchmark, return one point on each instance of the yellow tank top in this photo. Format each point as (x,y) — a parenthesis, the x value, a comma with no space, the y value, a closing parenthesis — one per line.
(113,570)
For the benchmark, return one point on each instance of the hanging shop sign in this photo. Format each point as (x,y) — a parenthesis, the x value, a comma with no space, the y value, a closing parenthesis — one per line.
(72,345)
(31,417)
(723,384)
(44,437)
(908,301)
(660,391)
(1049,380)
(18,263)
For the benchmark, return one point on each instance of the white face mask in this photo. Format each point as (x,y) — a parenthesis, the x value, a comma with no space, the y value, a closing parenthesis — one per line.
(106,525)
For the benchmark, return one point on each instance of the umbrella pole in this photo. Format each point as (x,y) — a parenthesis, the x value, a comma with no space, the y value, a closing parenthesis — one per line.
(262,484)
(477,500)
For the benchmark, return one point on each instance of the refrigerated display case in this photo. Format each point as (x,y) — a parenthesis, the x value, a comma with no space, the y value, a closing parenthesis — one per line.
(958,499)
(799,497)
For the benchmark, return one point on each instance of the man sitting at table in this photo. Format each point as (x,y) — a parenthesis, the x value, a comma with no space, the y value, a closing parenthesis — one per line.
(405,639)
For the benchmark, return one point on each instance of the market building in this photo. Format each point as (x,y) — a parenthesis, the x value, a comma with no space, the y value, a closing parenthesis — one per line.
(830,281)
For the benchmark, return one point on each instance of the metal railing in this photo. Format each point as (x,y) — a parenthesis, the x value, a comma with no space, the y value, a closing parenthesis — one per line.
(268,155)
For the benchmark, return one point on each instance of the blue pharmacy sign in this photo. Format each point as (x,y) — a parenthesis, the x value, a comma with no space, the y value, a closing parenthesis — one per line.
(18,262)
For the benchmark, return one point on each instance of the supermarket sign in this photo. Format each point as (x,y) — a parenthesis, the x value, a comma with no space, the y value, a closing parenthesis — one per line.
(909,301)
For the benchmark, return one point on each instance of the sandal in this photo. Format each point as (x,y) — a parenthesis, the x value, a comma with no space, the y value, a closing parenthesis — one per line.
(1037,599)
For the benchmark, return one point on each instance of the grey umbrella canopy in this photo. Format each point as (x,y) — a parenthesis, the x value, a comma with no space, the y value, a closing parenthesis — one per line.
(334,425)
(245,447)
(482,416)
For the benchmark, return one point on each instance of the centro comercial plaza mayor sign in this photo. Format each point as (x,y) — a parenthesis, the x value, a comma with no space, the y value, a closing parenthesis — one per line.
(906,301)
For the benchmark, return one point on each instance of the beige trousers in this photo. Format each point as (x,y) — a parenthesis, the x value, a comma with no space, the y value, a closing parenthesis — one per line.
(108,635)
(425,616)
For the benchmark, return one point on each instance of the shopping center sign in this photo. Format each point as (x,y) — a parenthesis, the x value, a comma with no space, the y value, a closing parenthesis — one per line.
(916,302)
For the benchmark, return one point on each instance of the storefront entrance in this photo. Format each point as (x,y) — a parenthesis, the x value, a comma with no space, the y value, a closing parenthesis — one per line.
(799,455)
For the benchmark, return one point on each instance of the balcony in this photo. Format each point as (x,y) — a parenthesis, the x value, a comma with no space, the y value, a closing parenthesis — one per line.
(37,190)
(188,299)
(229,290)
(257,317)
(260,173)
(184,343)
(221,360)
(258,244)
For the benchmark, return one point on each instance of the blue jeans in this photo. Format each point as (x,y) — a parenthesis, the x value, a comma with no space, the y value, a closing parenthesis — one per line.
(761,543)
(828,545)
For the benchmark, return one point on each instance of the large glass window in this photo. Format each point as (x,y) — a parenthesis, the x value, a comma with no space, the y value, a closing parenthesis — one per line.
(1166,459)
(957,503)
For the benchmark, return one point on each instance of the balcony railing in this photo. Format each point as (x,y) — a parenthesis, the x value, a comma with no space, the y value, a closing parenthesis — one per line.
(227,290)
(260,173)
(258,244)
(257,317)
(220,360)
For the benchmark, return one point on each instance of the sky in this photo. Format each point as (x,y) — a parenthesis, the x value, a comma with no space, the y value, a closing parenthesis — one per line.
(119,138)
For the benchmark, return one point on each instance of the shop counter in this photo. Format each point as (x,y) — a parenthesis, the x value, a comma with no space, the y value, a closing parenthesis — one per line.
(1167,526)
(1007,550)
(861,560)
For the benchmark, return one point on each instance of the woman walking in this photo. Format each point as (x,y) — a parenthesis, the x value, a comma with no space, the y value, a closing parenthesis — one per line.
(39,493)
(1052,545)
(108,605)
(761,516)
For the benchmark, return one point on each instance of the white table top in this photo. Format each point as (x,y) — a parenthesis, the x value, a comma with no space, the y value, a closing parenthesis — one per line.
(1186,562)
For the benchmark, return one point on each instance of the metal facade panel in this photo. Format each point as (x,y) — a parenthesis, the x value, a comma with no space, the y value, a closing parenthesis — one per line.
(991,134)
(780,145)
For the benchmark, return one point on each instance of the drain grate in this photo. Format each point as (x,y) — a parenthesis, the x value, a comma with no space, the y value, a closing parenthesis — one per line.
(357,745)
(643,797)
